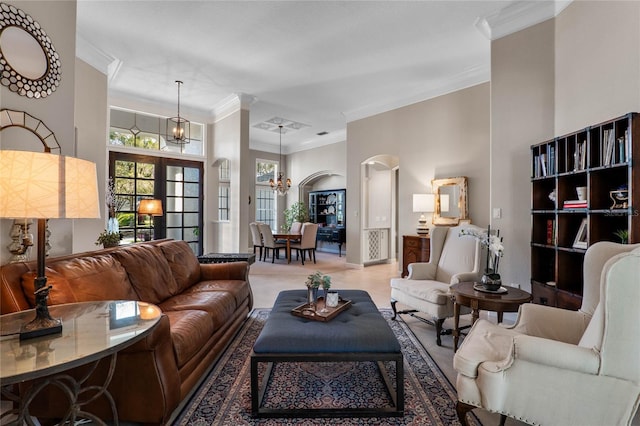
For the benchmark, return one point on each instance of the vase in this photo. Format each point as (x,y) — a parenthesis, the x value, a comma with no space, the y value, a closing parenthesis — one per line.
(491,282)
(332,299)
(312,296)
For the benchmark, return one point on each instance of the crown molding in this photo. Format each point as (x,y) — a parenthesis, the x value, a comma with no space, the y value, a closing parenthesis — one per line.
(231,104)
(471,77)
(320,141)
(518,16)
(97,58)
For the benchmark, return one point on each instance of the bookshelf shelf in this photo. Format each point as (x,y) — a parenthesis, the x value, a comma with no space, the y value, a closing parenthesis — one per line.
(605,160)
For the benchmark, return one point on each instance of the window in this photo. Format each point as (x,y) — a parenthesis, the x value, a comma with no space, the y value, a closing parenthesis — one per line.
(177,183)
(223,191)
(145,131)
(265,197)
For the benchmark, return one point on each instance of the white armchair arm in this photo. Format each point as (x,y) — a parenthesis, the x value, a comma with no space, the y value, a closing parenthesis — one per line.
(422,271)
(464,277)
(556,354)
(551,323)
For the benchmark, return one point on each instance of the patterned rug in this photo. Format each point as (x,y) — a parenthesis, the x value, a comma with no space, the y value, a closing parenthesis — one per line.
(224,398)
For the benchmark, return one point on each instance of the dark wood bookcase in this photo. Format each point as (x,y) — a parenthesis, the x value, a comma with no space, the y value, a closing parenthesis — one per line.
(604,159)
(328,209)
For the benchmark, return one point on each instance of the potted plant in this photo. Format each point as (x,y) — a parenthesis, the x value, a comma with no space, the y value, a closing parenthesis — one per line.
(623,234)
(296,213)
(314,281)
(109,239)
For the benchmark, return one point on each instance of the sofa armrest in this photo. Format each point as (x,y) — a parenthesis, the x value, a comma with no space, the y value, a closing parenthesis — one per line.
(225,271)
(552,353)
(463,277)
(551,323)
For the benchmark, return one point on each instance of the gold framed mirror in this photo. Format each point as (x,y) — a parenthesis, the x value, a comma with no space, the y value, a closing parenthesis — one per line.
(450,200)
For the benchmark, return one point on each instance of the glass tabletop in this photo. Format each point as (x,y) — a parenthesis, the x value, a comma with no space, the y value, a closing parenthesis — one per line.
(90,331)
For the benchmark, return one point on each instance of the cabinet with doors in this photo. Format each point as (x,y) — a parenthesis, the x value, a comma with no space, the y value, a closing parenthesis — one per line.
(415,248)
(328,208)
(585,189)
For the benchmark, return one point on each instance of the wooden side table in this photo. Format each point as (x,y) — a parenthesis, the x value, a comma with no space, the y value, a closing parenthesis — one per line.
(415,248)
(465,295)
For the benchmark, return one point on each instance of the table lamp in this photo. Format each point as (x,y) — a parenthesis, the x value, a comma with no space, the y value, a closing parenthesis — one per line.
(423,203)
(45,186)
(150,208)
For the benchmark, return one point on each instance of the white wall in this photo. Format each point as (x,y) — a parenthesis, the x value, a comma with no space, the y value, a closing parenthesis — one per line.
(522,105)
(447,136)
(58,20)
(91,118)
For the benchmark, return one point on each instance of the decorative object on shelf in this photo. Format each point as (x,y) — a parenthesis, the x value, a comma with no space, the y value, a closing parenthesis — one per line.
(581,237)
(495,250)
(280,187)
(451,203)
(21,240)
(552,196)
(620,197)
(178,128)
(30,186)
(109,239)
(423,203)
(581,191)
(623,234)
(150,208)
(30,64)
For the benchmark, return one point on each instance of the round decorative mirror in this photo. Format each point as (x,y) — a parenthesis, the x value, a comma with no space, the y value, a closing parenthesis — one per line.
(29,64)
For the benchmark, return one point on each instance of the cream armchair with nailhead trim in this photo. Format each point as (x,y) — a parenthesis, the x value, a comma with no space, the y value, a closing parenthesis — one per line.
(560,367)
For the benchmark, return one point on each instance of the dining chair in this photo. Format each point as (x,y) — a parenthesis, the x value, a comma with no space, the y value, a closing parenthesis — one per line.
(307,242)
(257,238)
(269,243)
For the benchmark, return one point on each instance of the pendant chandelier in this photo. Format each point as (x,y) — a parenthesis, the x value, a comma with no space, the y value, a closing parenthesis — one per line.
(178,128)
(280,187)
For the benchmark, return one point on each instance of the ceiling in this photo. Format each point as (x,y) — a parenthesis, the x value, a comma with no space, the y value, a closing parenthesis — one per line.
(317,63)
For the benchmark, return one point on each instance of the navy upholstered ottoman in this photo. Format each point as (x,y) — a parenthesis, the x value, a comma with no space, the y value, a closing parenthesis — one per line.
(358,334)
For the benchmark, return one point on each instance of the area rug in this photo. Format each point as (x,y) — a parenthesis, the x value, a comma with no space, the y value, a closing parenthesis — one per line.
(224,397)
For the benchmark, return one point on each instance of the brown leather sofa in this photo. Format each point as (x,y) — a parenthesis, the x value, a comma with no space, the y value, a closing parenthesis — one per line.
(203,308)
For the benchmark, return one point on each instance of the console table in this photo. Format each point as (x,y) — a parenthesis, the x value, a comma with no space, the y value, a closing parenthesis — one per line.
(227,257)
(91,331)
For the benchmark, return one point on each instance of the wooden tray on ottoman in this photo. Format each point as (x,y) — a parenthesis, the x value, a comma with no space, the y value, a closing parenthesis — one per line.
(304,311)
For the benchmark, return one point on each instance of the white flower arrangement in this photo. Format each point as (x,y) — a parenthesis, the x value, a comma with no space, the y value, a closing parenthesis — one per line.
(493,243)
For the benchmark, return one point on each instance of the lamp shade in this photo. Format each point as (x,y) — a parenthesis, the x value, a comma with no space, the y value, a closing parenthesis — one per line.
(150,207)
(423,203)
(47,186)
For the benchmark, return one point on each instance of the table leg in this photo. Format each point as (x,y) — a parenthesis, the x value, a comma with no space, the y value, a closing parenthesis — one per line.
(500,315)
(475,311)
(456,325)
(288,250)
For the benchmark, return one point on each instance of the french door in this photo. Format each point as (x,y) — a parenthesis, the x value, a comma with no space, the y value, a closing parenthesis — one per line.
(177,183)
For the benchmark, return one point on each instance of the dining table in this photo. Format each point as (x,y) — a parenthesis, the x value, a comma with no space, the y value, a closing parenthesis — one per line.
(288,237)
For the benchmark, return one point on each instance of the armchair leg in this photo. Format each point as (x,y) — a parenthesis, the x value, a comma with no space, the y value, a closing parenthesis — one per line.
(393,306)
(437,323)
(462,409)
(502,419)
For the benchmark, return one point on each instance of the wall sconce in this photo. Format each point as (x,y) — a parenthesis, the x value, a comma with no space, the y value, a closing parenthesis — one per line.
(423,203)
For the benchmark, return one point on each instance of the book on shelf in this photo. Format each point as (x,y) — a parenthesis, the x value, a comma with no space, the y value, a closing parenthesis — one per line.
(575,204)
(543,164)
(579,156)
(551,232)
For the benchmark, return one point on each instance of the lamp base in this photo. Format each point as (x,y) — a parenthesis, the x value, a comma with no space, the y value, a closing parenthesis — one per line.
(40,327)
(423,230)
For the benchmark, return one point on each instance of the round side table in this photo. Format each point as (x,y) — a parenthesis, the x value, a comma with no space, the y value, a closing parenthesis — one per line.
(464,294)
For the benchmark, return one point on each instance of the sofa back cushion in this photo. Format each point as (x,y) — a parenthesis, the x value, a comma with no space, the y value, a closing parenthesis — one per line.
(148,271)
(183,263)
(96,278)
(60,290)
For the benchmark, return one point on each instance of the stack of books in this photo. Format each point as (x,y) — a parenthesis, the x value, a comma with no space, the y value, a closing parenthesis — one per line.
(575,204)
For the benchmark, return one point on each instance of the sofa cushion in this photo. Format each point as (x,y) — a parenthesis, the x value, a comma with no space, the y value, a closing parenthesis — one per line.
(60,292)
(239,289)
(183,263)
(220,305)
(96,278)
(190,332)
(148,271)
(430,291)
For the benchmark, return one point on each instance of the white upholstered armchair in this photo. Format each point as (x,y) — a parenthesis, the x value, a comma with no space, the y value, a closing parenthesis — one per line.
(561,367)
(425,290)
